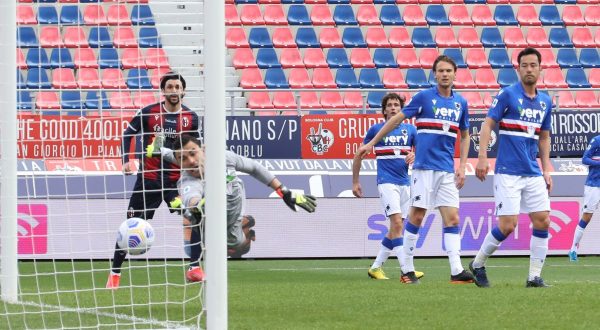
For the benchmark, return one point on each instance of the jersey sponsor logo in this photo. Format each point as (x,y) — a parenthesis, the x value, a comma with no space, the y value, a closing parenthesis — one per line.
(452,114)
(529,114)
(402,139)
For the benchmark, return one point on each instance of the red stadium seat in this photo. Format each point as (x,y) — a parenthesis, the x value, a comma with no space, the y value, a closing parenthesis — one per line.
(476,58)
(244,58)
(50,37)
(274,15)
(284,100)
(582,37)
(484,78)
(399,38)
(282,38)
(332,100)
(592,15)
(413,16)
(572,15)
(427,57)
(527,16)
(156,58)
(537,37)
(21,64)
(252,78)
(120,100)
(25,15)
(554,78)
(367,15)
(474,100)
(353,100)
(464,79)
(407,58)
(250,15)
(88,78)
(63,78)
(314,58)
(376,38)
(488,99)
(594,77)
(321,15)
(113,78)
(118,15)
(513,37)
(309,100)
(393,78)
(235,37)
(290,58)
(361,58)
(142,99)
(445,38)
(93,14)
(468,38)
(597,38)
(85,58)
(566,100)
(586,99)
(459,15)
(329,37)
(75,37)
(482,16)
(298,78)
(155,76)
(132,58)
(47,101)
(548,58)
(323,78)
(231,15)
(515,57)
(124,37)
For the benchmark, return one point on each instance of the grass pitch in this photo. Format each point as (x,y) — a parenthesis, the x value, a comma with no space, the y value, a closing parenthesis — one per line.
(308,294)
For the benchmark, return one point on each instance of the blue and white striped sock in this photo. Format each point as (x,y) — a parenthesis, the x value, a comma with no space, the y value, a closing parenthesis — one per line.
(491,242)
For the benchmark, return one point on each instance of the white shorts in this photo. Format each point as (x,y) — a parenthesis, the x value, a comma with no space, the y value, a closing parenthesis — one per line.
(520,194)
(432,189)
(591,199)
(394,199)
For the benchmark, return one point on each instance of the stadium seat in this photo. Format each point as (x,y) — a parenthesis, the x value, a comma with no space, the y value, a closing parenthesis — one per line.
(384,58)
(361,58)
(50,37)
(566,100)
(445,38)
(345,78)
(422,38)
(309,100)
(597,38)
(142,15)
(37,58)
(251,78)
(282,38)
(21,64)
(156,58)
(85,58)
(321,15)
(352,38)
(482,16)
(595,77)
(70,15)
(25,15)
(250,15)
(576,78)
(553,78)
(47,101)
(120,100)
(74,37)
(436,15)
(513,38)
(235,37)
(259,38)
(459,15)
(415,78)
(306,38)
(337,58)
(71,100)
(474,100)
(87,78)
(267,58)
(284,100)
(484,78)
(21,83)
(548,58)
(297,15)
(231,15)
(390,15)
(132,58)
(504,15)
(369,78)
(113,78)
(376,38)
(148,38)
(427,57)
(537,38)
(431,78)
(61,58)
(468,38)
(353,100)
(374,99)
(464,79)
(413,15)
(314,58)
(567,58)
(582,38)
(24,101)
(332,100)
(399,38)
(108,58)
(407,58)
(143,99)
(549,16)
(323,78)
(527,16)
(329,37)
(507,77)
(290,58)
(118,14)
(242,58)
(95,101)
(592,15)
(93,14)
(514,58)
(586,99)
(589,58)
(456,55)
(275,78)
(37,78)
(367,15)
(393,78)
(344,15)
(572,16)
(491,38)
(476,58)
(559,38)
(47,15)
(298,78)
(99,37)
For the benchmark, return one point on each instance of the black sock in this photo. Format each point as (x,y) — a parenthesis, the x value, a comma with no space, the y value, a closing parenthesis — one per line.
(118,259)
(196,247)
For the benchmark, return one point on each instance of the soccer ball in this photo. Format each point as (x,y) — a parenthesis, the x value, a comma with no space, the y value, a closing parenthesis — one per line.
(135,236)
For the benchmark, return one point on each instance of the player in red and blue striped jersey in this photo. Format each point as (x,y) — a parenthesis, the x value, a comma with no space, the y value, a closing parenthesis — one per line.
(524,118)
(591,192)
(441,116)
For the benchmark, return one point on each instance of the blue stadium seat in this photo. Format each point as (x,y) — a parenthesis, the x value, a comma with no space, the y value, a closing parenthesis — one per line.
(148,38)
(26,37)
(456,55)
(344,15)
(491,38)
(384,58)
(339,1)
(475,1)
(70,15)
(259,38)
(93,102)
(337,58)
(24,101)
(138,79)
(383,2)
(99,37)
(559,38)
(47,15)
(507,77)
(37,78)
(589,58)
(390,15)
(291,1)
(369,78)
(275,78)
(567,58)
(353,38)
(498,58)
(415,78)
(504,15)
(436,15)
(298,15)
(267,58)
(422,38)
(142,15)
(576,78)
(61,58)
(565,2)
(246,1)
(72,100)
(108,58)
(89,1)
(37,58)
(374,99)
(20,81)
(345,78)
(45,1)
(549,15)
(307,38)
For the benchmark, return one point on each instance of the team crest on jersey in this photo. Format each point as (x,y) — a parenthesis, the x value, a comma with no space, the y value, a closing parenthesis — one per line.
(404,132)
(185,122)
(543,105)
(457,105)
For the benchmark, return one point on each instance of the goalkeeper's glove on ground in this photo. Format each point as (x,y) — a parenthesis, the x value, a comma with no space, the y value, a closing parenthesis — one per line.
(293,199)
(153,150)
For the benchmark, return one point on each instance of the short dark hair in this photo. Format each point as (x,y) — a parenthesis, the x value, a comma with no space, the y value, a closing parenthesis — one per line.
(171,75)
(444,58)
(529,51)
(392,96)
(185,139)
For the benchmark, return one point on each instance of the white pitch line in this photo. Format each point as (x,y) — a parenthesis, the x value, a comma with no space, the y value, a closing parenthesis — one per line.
(363,268)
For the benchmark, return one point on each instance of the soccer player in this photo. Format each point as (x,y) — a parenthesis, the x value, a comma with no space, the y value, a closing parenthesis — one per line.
(441,115)
(156,179)
(591,192)
(393,154)
(523,116)
(190,155)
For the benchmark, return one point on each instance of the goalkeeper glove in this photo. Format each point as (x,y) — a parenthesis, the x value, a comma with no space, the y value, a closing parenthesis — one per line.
(293,199)
(153,150)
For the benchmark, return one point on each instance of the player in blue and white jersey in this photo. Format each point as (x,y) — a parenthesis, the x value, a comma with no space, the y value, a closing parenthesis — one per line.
(394,153)
(591,192)
(441,116)
(524,119)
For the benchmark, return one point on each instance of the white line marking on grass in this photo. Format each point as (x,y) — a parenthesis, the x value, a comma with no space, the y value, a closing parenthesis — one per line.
(395,267)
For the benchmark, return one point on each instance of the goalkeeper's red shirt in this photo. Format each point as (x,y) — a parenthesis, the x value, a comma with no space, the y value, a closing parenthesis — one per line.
(144,125)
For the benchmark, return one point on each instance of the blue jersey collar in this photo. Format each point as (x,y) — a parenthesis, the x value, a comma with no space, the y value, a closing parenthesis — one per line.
(522,91)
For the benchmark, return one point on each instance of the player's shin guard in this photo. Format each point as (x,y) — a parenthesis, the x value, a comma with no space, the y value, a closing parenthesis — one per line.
(195,247)
(118,259)
(490,244)
(452,245)
(384,252)
(410,242)
(539,248)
